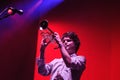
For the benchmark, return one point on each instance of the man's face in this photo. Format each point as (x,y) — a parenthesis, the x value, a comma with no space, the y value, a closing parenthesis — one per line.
(69,45)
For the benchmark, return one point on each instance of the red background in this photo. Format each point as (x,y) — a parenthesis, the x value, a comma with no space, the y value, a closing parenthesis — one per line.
(96,23)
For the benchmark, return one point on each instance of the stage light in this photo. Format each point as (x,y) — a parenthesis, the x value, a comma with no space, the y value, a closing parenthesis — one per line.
(12,11)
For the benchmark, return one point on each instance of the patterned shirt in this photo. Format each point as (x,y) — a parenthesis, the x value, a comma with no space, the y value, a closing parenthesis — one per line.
(57,68)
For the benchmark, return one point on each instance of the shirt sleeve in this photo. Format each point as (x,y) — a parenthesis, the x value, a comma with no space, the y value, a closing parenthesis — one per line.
(44,69)
(78,63)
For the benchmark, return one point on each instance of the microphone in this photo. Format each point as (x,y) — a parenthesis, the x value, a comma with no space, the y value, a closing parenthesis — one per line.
(12,11)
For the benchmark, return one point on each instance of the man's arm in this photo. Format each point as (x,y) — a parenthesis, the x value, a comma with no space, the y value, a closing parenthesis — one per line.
(42,67)
(65,55)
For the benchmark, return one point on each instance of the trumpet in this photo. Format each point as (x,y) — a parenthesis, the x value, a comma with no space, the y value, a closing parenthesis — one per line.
(48,35)
(44,25)
(46,32)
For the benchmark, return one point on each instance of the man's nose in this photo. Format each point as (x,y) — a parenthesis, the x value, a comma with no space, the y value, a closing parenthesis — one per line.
(65,43)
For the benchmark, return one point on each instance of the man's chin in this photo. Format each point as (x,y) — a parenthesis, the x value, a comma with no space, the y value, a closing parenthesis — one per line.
(67,48)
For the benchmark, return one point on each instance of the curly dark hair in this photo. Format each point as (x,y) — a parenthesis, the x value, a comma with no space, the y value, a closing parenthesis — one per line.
(74,37)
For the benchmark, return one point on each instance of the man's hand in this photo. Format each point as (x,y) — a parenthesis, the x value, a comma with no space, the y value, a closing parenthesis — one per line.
(45,42)
(57,38)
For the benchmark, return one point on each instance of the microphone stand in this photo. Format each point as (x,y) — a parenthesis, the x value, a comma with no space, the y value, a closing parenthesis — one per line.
(4,15)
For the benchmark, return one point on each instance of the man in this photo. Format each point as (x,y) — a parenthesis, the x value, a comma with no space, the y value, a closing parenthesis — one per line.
(70,66)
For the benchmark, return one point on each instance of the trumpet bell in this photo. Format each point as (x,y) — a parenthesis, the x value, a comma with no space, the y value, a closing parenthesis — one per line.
(43,25)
